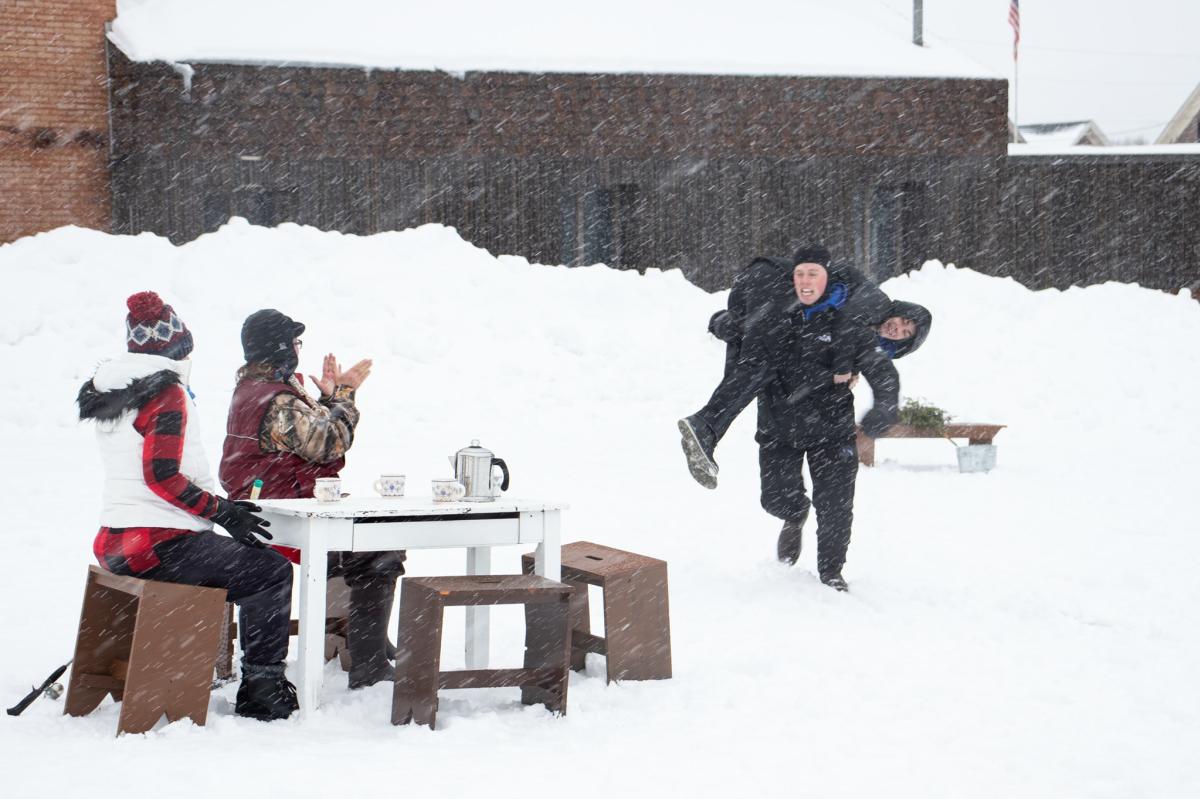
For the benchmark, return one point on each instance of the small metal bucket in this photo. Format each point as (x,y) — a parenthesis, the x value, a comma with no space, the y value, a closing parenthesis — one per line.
(977,458)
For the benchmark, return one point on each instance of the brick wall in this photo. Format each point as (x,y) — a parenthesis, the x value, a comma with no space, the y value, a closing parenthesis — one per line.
(697,172)
(393,114)
(53,115)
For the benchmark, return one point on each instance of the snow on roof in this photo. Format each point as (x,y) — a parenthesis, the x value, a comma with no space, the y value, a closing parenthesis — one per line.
(1185,116)
(799,37)
(1063,133)
(1052,148)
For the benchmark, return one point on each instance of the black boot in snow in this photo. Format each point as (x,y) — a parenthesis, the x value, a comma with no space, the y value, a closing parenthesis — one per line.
(835,581)
(370,609)
(266,697)
(698,444)
(787,549)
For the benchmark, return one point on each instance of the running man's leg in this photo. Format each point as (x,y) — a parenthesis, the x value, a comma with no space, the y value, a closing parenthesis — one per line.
(834,467)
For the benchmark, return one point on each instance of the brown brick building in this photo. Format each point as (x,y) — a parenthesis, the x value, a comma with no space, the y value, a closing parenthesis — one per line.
(53,115)
(697,172)
(689,171)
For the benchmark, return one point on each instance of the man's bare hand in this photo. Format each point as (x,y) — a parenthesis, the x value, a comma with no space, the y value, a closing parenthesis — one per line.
(842,378)
(356,374)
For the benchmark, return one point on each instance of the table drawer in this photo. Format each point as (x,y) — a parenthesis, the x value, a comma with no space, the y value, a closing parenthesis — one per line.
(436,534)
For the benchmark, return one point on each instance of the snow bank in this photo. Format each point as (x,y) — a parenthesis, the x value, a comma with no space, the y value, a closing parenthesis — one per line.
(1052,148)
(803,37)
(1029,632)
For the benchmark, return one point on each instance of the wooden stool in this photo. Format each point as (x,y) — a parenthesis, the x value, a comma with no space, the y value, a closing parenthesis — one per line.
(419,645)
(151,645)
(337,629)
(637,619)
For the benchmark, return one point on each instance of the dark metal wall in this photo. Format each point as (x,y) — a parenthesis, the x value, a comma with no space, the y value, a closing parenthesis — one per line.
(707,217)
(1080,220)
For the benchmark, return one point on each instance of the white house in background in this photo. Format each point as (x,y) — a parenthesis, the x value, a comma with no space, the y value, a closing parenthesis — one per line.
(1184,127)
(1065,133)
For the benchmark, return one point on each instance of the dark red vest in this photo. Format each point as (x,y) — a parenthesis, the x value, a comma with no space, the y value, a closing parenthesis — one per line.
(284,475)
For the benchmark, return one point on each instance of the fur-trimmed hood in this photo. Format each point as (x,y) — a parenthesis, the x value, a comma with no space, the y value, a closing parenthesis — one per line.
(126,384)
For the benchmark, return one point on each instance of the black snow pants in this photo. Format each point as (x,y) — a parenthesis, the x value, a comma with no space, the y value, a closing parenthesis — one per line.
(371,577)
(739,386)
(834,469)
(259,581)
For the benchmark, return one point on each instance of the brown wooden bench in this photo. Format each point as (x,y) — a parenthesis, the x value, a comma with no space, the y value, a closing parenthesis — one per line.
(973,432)
(637,618)
(150,645)
(419,643)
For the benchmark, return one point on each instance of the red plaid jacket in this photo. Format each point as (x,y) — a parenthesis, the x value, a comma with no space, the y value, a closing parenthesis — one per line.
(161,422)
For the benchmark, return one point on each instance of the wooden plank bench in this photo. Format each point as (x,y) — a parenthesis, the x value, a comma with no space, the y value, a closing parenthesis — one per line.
(974,433)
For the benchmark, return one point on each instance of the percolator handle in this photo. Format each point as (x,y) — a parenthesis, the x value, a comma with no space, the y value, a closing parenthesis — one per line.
(504,468)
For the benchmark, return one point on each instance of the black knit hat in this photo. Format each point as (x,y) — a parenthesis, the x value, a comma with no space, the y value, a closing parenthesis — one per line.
(267,337)
(812,254)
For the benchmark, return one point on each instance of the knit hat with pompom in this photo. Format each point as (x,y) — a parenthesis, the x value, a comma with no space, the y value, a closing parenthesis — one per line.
(152,326)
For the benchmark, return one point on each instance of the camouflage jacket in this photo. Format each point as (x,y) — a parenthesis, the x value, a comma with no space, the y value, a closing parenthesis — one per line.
(319,431)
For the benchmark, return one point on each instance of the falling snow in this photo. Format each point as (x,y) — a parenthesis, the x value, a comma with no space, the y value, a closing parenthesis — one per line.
(1027,632)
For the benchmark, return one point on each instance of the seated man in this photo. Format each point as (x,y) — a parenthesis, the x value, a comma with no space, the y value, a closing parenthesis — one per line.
(762,298)
(279,434)
(159,509)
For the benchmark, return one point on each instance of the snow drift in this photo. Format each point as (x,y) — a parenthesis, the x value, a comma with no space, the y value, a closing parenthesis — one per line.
(1028,632)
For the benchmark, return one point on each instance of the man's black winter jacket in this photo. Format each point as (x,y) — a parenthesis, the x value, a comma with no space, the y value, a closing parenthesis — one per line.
(802,405)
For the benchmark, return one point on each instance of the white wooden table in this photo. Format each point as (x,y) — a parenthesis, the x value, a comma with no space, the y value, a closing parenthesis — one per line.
(375,524)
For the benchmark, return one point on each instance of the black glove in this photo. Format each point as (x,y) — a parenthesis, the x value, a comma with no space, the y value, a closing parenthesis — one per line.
(725,327)
(875,423)
(239,521)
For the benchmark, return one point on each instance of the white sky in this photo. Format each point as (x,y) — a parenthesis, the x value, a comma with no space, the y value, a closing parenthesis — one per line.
(1127,65)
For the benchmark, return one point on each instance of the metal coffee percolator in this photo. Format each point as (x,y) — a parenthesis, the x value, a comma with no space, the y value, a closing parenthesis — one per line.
(473,467)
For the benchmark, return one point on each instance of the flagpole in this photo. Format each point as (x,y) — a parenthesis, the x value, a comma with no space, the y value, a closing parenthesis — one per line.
(1014,20)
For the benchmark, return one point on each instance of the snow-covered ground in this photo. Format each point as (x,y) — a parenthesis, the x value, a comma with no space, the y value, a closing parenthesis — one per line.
(1025,633)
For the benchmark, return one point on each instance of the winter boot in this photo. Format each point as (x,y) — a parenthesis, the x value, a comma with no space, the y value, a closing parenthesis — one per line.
(265,694)
(370,609)
(834,580)
(787,549)
(698,444)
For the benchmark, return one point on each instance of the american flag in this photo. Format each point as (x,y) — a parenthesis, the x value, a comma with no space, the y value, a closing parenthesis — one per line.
(1014,19)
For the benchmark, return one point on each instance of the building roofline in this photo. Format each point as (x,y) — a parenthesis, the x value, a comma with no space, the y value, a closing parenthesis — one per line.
(1186,113)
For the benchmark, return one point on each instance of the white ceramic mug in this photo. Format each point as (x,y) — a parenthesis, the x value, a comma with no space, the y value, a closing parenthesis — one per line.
(448,490)
(327,489)
(390,485)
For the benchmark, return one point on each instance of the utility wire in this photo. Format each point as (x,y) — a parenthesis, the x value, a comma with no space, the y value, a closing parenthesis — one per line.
(1195,54)
(1097,81)
(1136,130)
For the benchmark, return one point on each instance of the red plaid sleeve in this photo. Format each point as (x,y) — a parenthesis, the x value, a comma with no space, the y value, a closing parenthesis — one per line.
(162,422)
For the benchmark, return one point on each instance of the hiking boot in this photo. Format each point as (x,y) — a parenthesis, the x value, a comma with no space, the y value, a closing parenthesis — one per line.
(266,698)
(698,444)
(835,582)
(787,549)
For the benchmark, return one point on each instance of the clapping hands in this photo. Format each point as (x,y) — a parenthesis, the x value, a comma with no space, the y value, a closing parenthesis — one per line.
(332,375)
